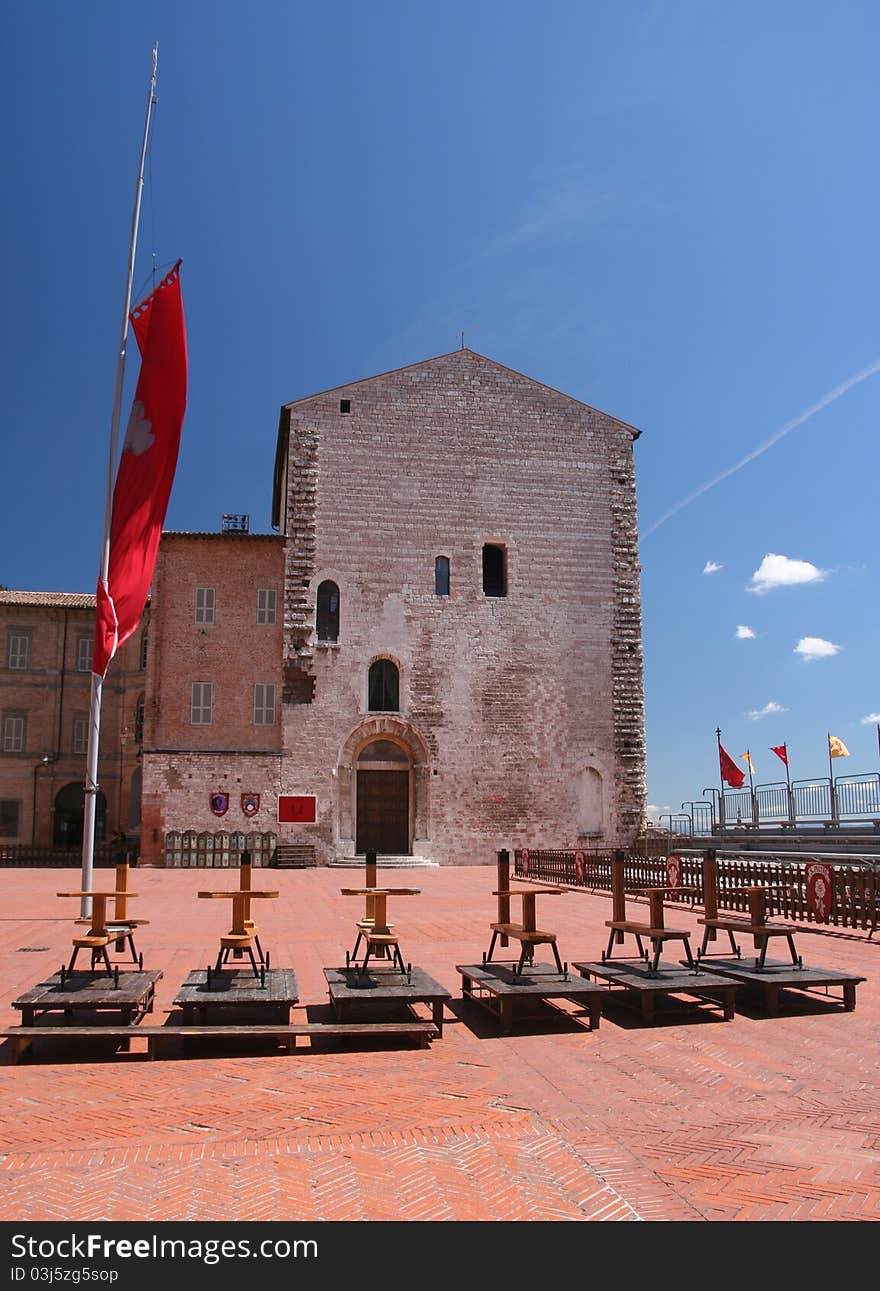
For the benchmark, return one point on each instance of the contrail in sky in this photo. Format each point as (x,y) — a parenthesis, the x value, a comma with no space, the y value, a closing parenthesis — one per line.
(842,389)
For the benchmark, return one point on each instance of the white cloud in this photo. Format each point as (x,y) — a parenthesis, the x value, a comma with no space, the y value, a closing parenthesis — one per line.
(767,711)
(711,567)
(743,633)
(781,571)
(816,648)
(871,719)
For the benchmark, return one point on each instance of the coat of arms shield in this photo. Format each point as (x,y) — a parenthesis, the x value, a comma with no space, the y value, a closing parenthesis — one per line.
(250,803)
(219,803)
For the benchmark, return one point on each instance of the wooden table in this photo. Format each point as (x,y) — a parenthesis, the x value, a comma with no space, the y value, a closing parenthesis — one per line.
(242,936)
(99,935)
(527,932)
(374,927)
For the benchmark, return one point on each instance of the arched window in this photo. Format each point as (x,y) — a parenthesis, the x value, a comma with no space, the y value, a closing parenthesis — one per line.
(327,623)
(441,576)
(494,570)
(384,687)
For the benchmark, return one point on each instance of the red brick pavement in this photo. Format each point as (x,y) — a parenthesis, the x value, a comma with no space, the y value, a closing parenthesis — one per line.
(692,1119)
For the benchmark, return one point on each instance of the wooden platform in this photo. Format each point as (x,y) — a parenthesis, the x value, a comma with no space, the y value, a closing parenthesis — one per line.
(132,997)
(778,975)
(236,988)
(498,987)
(353,987)
(647,984)
(162,1039)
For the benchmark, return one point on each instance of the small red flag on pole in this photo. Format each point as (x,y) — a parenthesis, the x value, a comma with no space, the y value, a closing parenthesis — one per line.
(781,752)
(730,772)
(146,468)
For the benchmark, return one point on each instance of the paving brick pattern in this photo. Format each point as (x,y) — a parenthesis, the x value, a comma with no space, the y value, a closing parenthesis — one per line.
(691,1119)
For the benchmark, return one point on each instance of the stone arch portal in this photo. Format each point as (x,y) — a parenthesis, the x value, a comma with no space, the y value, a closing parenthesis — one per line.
(382,781)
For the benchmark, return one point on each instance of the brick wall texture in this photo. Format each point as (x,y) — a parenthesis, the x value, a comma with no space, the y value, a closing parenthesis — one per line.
(520,718)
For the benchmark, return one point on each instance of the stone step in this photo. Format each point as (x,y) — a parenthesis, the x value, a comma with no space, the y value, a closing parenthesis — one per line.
(383,862)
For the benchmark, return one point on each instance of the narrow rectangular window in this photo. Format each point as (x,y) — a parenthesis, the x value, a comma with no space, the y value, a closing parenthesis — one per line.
(201,711)
(84,654)
(494,570)
(10,814)
(441,576)
(204,605)
(264,704)
(18,650)
(80,733)
(13,733)
(266,605)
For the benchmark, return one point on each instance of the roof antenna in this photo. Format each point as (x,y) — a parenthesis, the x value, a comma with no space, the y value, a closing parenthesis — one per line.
(461,334)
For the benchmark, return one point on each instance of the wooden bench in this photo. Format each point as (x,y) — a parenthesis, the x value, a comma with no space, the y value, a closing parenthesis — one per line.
(286,1033)
(527,933)
(527,937)
(654,930)
(753,925)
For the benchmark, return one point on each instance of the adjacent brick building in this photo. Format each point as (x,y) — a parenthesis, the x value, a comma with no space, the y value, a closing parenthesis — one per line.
(45,697)
(440,648)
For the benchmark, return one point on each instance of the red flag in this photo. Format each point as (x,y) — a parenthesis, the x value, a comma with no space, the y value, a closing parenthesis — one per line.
(781,752)
(146,467)
(730,772)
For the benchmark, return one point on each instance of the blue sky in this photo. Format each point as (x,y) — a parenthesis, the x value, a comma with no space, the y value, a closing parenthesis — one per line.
(668,210)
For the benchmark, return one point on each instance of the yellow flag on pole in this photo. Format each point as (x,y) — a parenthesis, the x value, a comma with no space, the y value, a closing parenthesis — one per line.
(837,748)
(748,761)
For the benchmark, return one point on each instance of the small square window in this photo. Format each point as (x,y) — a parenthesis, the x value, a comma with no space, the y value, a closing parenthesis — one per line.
(204,605)
(345,405)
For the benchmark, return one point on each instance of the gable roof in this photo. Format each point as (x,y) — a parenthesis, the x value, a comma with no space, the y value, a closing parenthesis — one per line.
(472,354)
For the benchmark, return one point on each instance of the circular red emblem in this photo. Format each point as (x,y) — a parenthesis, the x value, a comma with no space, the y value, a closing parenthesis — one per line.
(673,871)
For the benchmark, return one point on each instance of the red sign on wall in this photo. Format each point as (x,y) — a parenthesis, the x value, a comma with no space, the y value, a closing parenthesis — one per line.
(297,809)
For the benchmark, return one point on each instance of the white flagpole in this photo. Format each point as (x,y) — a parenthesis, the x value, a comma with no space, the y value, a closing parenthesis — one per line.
(91,781)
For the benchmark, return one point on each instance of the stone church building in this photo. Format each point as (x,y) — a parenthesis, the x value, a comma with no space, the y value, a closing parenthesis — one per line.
(438,651)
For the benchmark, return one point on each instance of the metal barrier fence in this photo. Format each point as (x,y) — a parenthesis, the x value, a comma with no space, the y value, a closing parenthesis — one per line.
(855,880)
(851,799)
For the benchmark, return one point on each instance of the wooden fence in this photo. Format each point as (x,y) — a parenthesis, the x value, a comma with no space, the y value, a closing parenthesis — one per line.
(855,880)
(25,856)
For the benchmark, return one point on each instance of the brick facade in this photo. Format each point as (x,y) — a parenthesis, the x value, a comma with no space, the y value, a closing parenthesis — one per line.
(184,763)
(520,718)
(52,696)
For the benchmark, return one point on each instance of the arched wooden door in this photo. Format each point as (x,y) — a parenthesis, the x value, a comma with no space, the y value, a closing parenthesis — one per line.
(383,799)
